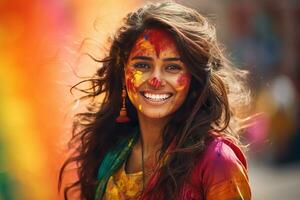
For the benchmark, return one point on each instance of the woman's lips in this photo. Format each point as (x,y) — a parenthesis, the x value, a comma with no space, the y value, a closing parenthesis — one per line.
(156,97)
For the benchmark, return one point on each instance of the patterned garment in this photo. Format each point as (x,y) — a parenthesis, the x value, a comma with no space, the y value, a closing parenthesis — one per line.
(123,186)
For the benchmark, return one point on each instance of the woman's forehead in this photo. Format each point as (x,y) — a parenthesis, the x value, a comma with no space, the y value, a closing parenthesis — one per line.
(156,41)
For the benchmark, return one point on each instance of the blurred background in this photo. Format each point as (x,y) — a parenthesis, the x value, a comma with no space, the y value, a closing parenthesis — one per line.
(40,42)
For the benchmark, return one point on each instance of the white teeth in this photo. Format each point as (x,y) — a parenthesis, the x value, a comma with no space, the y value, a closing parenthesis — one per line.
(157,97)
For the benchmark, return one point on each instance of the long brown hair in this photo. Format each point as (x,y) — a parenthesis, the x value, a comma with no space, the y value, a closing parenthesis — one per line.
(217,93)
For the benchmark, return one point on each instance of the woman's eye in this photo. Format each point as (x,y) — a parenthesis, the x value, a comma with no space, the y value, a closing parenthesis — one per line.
(141,66)
(173,68)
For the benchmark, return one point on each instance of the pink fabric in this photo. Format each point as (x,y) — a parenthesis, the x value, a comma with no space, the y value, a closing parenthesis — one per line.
(220,174)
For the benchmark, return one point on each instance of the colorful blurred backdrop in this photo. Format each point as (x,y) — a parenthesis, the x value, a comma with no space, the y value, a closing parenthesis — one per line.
(41,46)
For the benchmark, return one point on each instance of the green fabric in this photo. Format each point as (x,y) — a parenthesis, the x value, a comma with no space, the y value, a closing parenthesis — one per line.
(112,161)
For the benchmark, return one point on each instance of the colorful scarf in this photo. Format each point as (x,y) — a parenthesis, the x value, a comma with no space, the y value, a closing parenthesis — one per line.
(112,161)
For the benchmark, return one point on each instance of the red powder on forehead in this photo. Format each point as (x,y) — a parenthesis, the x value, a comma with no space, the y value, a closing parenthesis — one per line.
(159,38)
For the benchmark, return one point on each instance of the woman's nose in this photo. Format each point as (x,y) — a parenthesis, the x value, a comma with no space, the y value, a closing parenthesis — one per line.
(156,82)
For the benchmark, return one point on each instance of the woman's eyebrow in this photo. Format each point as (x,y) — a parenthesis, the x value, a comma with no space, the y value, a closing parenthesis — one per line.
(142,58)
(151,59)
(172,59)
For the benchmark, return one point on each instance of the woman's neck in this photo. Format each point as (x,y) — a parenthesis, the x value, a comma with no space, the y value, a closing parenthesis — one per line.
(151,132)
(143,156)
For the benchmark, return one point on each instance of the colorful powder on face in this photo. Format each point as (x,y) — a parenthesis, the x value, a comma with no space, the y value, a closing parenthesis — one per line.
(137,76)
(132,80)
(183,80)
(154,38)
(141,47)
(159,38)
(155,82)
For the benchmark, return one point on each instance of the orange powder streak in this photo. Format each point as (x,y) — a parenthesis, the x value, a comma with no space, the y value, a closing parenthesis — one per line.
(132,81)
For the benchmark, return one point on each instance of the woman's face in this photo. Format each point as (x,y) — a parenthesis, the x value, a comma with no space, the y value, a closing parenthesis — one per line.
(157,81)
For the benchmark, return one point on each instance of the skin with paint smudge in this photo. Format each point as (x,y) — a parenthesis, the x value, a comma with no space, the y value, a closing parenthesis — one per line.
(157,81)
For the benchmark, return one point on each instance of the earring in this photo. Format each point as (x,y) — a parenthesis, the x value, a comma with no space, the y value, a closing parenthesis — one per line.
(123,118)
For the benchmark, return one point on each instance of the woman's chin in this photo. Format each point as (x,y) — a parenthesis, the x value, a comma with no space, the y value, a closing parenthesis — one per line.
(151,114)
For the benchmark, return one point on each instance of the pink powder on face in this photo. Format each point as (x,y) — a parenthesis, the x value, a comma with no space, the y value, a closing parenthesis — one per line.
(183,80)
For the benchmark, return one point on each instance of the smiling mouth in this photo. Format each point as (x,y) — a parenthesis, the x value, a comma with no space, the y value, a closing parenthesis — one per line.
(156,97)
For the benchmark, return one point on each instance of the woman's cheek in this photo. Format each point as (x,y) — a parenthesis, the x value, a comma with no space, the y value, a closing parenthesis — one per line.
(134,79)
(137,78)
(182,82)
(129,78)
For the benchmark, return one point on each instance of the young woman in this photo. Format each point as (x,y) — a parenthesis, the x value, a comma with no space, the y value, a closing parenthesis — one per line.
(167,126)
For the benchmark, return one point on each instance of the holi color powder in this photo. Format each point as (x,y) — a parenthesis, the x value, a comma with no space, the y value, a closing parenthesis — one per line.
(159,38)
(155,82)
(183,80)
(133,78)
(156,38)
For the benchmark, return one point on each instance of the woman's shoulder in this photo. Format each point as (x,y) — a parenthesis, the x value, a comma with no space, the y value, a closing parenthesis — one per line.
(221,149)
(221,160)
(222,170)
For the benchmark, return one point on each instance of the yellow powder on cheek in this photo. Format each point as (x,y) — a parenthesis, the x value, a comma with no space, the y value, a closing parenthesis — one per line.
(132,77)
(137,76)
